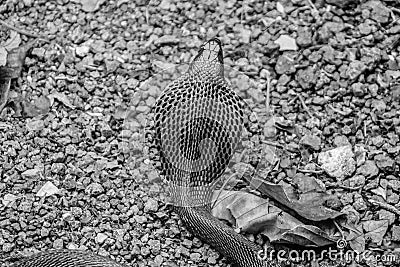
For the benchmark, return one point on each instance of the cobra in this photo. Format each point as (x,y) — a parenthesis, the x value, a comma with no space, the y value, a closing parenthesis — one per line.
(198,121)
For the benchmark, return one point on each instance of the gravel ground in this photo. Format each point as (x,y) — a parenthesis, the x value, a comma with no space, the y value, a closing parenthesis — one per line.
(78,135)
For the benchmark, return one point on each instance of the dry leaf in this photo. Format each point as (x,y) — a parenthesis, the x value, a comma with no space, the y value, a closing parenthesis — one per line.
(254,214)
(60,97)
(309,206)
(356,239)
(286,42)
(375,230)
(307,236)
(13,42)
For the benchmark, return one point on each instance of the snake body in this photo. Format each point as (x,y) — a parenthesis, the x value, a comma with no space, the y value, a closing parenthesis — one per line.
(198,121)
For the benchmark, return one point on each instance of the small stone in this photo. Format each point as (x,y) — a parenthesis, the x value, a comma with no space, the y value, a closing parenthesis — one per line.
(82,51)
(155,246)
(144,251)
(39,52)
(346,199)
(368,169)
(9,199)
(100,238)
(285,65)
(58,244)
(338,162)
(48,189)
(358,89)
(94,189)
(31,174)
(341,140)
(380,12)
(396,233)
(386,215)
(111,65)
(355,69)
(307,77)
(44,232)
(286,43)
(151,205)
(159,260)
(245,35)
(359,203)
(384,162)
(355,181)
(304,37)
(8,247)
(35,125)
(311,141)
(378,105)
(196,257)
(361,154)
(393,198)
(106,130)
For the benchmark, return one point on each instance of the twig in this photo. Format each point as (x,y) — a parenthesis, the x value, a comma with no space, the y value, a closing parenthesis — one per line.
(294,99)
(278,146)
(268,99)
(273,144)
(337,110)
(395,10)
(311,171)
(305,106)
(329,184)
(312,5)
(385,206)
(340,229)
(5,24)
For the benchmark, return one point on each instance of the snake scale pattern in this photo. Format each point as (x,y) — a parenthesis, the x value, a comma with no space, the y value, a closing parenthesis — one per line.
(198,121)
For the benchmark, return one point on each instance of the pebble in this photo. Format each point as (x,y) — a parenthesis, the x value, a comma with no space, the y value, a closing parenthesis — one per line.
(82,51)
(151,205)
(31,174)
(48,189)
(338,162)
(384,162)
(39,52)
(94,189)
(35,125)
(312,141)
(396,233)
(58,244)
(368,169)
(285,65)
(101,238)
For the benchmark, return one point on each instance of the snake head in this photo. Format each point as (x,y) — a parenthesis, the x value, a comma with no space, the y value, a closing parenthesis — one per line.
(211,51)
(210,56)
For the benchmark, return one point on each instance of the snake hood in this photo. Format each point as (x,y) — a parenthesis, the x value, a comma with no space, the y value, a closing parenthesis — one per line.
(198,122)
